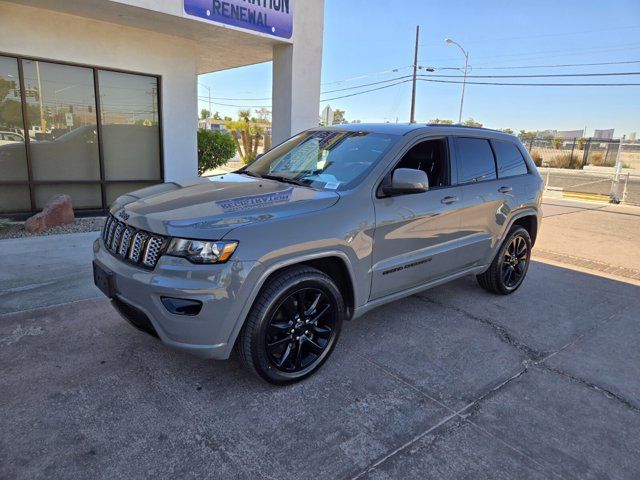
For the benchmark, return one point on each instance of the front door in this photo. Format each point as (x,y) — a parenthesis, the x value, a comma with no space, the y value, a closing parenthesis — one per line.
(417,235)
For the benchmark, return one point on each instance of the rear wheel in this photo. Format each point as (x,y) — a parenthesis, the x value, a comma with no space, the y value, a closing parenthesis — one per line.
(293,326)
(510,265)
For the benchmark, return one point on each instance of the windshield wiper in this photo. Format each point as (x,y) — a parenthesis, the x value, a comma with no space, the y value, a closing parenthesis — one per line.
(280,178)
(251,174)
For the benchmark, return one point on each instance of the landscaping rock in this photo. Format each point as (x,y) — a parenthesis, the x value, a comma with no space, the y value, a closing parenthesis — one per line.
(58,211)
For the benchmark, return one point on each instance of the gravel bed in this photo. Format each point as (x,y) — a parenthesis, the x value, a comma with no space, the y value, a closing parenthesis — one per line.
(84,224)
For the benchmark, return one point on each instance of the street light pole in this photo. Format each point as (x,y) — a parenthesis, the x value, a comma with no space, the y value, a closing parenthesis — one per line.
(464,79)
(412,117)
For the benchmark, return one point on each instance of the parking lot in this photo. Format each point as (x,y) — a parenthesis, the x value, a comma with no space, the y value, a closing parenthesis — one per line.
(450,383)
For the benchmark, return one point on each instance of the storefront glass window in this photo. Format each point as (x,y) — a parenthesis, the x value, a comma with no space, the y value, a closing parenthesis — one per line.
(130,134)
(61,117)
(13,158)
(83,131)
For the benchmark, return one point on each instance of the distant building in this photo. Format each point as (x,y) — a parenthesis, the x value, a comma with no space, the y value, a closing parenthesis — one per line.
(603,134)
(569,134)
(213,124)
(632,137)
(546,133)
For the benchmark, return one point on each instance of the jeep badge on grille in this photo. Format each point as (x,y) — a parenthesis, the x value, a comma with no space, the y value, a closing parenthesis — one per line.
(122,215)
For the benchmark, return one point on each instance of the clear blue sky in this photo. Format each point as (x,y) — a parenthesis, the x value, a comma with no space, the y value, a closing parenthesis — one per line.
(365,37)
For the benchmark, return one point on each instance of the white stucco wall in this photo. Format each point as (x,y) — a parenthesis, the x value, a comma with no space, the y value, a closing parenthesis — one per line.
(296,73)
(125,34)
(56,36)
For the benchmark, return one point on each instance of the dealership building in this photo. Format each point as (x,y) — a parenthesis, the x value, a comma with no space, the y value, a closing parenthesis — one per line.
(99,97)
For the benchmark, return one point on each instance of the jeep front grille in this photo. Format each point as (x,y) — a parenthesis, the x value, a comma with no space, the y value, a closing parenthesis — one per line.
(136,246)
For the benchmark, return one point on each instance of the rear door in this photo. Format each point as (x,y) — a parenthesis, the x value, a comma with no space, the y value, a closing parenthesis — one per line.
(417,235)
(483,202)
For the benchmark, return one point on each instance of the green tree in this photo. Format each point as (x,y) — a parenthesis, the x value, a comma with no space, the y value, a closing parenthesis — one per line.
(227,118)
(264,114)
(244,115)
(214,149)
(527,136)
(470,122)
(581,143)
(216,116)
(338,117)
(246,136)
(204,114)
(5,88)
(508,130)
(441,121)
(557,143)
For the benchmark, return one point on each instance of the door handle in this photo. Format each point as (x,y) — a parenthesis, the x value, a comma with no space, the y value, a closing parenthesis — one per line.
(505,189)
(449,200)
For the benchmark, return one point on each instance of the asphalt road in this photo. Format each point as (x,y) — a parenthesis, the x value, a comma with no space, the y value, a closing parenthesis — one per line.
(450,383)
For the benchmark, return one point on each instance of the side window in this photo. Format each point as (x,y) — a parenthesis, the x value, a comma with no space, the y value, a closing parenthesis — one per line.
(431,157)
(476,159)
(509,159)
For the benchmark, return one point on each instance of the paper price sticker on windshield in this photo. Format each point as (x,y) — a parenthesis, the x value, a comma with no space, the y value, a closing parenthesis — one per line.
(332,185)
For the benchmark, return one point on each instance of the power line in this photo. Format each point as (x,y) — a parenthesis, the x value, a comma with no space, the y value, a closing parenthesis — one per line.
(366,91)
(537,75)
(321,93)
(537,84)
(559,65)
(367,75)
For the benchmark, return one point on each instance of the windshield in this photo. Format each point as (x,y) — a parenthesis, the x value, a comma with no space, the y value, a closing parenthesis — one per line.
(334,160)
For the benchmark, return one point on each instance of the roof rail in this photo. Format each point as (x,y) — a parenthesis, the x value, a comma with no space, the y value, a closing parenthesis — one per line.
(458,125)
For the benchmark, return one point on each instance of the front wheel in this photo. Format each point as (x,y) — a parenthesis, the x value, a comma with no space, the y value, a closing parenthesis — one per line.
(293,326)
(510,265)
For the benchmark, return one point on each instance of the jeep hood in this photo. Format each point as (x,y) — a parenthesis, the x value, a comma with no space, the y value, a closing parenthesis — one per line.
(210,207)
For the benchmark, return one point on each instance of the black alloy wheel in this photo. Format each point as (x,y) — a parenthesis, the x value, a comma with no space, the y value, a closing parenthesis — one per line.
(293,325)
(510,265)
(300,330)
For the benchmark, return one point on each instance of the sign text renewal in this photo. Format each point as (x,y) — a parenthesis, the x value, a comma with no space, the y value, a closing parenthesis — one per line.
(273,17)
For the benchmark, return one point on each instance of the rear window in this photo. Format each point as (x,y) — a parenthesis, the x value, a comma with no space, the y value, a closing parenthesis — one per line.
(509,159)
(476,159)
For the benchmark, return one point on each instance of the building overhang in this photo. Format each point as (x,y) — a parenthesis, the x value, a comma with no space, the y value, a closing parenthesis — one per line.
(217,46)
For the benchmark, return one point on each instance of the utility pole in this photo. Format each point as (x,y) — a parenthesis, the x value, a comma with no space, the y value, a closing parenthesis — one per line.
(412,118)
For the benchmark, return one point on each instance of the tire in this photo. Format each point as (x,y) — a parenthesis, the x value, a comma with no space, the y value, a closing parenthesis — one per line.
(510,265)
(293,326)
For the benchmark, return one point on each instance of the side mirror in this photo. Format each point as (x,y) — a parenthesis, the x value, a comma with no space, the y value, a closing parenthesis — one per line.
(405,181)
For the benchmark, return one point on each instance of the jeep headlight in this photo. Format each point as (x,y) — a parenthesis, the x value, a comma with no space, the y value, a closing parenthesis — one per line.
(199,251)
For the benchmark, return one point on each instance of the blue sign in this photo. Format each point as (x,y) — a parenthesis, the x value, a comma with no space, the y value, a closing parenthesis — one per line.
(273,17)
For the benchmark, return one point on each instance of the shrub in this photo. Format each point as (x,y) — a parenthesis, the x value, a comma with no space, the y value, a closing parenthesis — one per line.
(599,160)
(557,143)
(214,149)
(536,157)
(4,222)
(566,160)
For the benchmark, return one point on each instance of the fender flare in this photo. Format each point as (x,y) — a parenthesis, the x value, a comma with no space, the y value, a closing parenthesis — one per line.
(272,268)
(525,212)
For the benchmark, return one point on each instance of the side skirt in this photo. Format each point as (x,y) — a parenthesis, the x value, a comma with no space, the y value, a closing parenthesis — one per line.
(361,310)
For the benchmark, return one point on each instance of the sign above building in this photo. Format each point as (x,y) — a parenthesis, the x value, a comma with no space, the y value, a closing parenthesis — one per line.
(272,17)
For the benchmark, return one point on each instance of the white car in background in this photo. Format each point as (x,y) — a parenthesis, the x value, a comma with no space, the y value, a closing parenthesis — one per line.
(7,138)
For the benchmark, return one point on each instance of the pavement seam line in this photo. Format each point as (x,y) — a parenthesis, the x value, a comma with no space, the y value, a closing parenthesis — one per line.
(604,391)
(502,333)
(458,413)
(45,307)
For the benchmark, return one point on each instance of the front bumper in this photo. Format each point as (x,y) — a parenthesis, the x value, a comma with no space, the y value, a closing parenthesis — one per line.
(220,288)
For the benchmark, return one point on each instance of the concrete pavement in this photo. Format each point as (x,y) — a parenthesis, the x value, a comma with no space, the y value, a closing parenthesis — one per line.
(450,383)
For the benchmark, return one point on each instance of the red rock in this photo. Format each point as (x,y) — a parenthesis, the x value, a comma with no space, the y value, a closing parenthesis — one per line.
(58,211)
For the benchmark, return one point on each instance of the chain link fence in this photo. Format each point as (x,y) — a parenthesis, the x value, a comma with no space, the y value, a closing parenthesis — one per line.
(585,168)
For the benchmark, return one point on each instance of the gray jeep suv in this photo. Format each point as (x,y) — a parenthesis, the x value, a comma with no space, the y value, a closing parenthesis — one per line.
(333,222)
